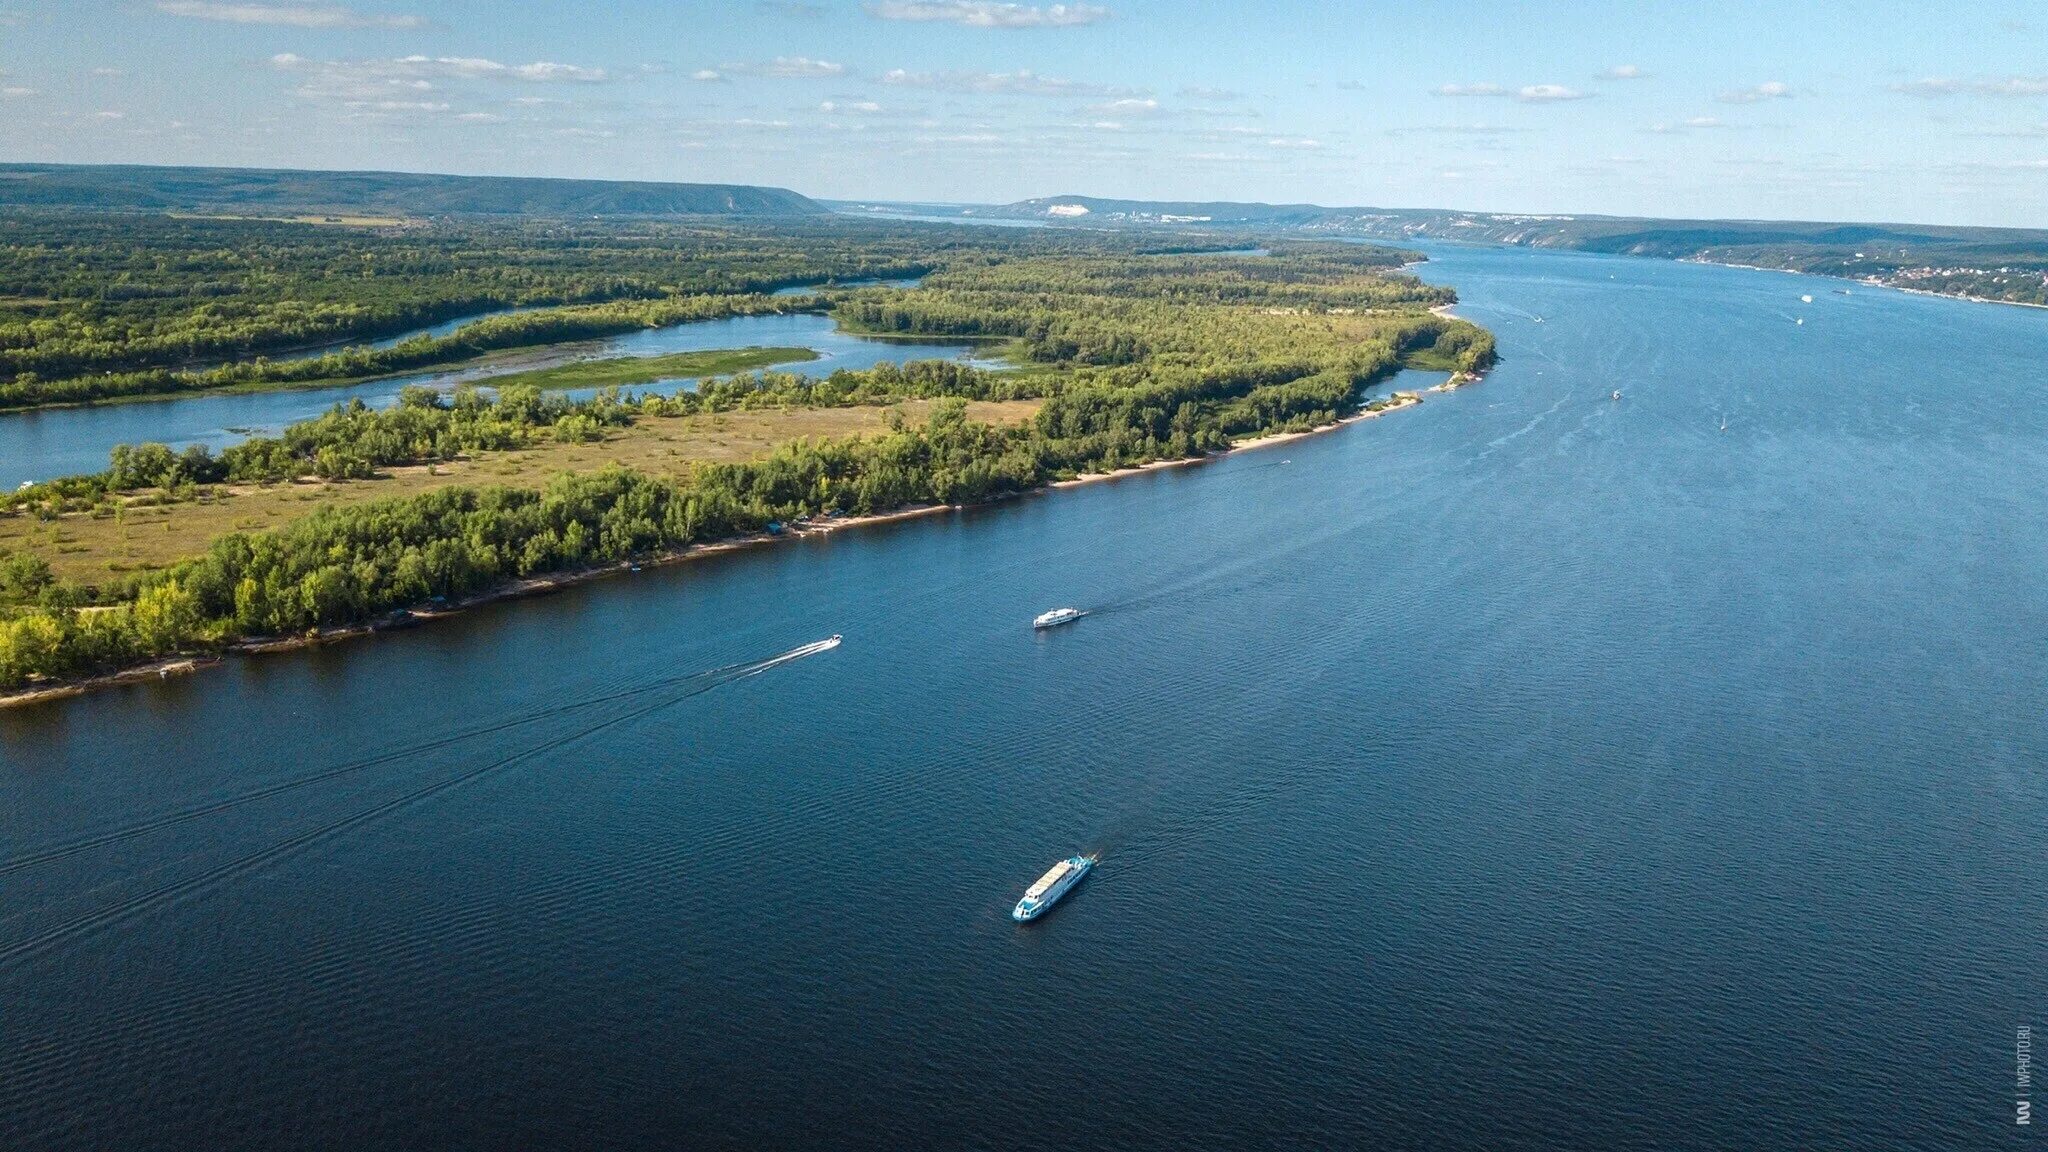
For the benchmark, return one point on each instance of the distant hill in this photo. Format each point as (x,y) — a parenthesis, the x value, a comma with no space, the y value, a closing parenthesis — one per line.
(2009,264)
(1222,213)
(1634,235)
(275,191)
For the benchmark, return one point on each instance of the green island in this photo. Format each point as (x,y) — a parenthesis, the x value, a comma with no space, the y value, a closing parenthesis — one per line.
(1128,349)
(621,371)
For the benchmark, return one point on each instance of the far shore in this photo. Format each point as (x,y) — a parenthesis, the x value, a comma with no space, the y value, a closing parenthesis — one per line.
(1867,282)
(182,664)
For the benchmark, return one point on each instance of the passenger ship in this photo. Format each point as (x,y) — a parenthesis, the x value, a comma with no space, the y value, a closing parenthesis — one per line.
(1057,882)
(1057,617)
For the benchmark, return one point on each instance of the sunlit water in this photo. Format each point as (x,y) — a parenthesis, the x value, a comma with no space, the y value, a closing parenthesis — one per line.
(1529,770)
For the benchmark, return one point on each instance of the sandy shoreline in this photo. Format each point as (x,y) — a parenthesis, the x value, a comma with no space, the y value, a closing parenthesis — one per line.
(1867,282)
(400,619)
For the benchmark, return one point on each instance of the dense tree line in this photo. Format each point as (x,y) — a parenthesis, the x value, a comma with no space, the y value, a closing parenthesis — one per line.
(84,294)
(494,333)
(352,440)
(1144,358)
(346,564)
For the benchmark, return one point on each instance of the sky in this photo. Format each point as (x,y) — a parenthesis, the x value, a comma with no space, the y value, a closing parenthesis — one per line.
(1829,110)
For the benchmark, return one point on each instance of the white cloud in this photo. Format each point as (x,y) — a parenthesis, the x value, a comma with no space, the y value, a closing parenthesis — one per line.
(109,114)
(110,72)
(1547,93)
(707,75)
(1200,92)
(1527,94)
(480,118)
(16,92)
(1687,125)
(422,71)
(1769,90)
(787,67)
(988,13)
(545,71)
(1623,72)
(1456,130)
(859,107)
(286,15)
(423,85)
(1295,142)
(1020,83)
(1128,106)
(1994,86)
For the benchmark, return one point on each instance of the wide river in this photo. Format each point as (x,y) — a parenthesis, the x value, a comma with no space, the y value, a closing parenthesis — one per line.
(1528,770)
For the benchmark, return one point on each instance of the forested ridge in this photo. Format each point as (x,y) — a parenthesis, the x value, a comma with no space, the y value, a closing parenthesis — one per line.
(1138,357)
(300,191)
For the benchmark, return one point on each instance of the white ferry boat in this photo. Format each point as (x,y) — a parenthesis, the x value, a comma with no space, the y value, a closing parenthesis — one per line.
(1056,883)
(1057,617)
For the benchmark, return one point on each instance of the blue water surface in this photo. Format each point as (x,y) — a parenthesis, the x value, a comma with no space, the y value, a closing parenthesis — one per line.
(1527,770)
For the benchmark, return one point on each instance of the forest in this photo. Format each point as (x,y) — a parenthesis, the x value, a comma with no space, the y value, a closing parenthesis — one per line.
(101,305)
(1134,356)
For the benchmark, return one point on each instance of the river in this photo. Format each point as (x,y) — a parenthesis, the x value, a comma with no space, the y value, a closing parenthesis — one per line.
(1527,770)
(39,445)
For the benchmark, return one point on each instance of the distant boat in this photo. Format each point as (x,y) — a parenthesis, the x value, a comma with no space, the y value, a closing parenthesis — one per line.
(1057,617)
(1057,882)
(1724,423)
(1806,299)
(1617,394)
(1801,320)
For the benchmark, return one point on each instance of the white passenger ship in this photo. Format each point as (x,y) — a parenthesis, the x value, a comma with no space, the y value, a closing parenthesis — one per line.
(1057,617)
(1056,883)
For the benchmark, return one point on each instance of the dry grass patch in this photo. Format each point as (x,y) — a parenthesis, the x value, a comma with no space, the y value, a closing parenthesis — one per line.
(94,548)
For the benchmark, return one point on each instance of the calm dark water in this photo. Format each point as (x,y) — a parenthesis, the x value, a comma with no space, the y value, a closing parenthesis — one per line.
(1529,770)
(68,441)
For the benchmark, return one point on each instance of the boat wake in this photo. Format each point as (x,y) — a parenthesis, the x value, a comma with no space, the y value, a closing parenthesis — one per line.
(694,684)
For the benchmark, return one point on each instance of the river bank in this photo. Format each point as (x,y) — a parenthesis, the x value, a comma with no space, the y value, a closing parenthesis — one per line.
(183,663)
(406,618)
(1865,281)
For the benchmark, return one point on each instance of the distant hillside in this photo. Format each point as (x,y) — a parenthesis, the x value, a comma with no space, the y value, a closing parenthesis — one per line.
(2008,264)
(1091,209)
(274,191)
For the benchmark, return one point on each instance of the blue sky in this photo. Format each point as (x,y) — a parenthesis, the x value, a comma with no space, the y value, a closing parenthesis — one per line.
(1875,110)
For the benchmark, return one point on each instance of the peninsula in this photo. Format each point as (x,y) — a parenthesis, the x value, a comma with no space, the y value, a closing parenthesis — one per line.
(1121,349)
